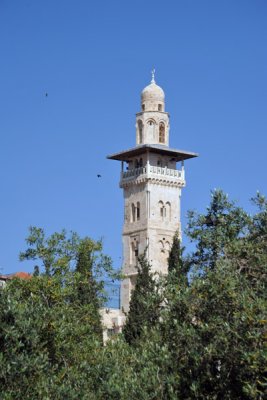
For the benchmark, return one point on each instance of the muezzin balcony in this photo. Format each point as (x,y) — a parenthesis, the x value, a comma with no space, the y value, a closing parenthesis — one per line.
(152,173)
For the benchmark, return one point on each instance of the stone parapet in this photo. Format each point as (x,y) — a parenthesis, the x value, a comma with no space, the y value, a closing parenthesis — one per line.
(159,175)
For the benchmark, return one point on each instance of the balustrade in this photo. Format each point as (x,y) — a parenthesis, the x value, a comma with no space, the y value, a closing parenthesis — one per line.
(152,170)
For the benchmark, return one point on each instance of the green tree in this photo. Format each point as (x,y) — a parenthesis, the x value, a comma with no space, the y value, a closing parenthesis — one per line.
(178,267)
(144,305)
(199,341)
(249,253)
(50,328)
(54,252)
(214,329)
(222,224)
(88,289)
(58,253)
(214,332)
(46,336)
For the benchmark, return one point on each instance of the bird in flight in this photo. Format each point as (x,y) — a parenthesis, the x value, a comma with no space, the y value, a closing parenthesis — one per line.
(46,95)
(99,176)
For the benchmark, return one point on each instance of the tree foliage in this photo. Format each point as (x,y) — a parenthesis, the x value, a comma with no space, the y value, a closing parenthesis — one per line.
(54,253)
(88,290)
(50,325)
(178,266)
(144,304)
(223,223)
(201,340)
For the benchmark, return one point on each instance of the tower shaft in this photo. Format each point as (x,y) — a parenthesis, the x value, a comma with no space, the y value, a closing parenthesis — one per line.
(151,186)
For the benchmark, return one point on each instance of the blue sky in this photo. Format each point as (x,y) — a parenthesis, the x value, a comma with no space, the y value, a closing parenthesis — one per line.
(93,59)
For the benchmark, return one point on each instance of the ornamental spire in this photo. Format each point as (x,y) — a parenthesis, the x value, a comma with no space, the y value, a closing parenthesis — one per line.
(153,75)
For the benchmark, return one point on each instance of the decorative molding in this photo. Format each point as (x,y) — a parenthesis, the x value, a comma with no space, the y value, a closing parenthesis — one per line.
(156,181)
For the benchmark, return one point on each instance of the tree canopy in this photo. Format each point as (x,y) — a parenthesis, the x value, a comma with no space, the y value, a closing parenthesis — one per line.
(144,304)
(223,223)
(202,338)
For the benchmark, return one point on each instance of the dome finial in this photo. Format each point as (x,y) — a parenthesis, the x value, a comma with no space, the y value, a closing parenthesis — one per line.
(153,75)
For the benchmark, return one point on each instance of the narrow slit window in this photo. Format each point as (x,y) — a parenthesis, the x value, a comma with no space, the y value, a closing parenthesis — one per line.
(140,131)
(133,213)
(138,211)
(135,251)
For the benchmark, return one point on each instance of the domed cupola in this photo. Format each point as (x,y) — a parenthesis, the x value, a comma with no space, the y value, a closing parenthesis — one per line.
(152,123)
(152,97)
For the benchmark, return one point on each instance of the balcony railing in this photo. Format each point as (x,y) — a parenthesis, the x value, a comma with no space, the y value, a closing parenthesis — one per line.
(151,170)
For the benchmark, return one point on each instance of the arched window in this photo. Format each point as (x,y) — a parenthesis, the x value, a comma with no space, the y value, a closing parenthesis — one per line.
(136,252)
(161,132)
(143,107)
(150,131)
(138,211)
(161,209)
(140,131)
(133,213)
(160,107)
(168,210)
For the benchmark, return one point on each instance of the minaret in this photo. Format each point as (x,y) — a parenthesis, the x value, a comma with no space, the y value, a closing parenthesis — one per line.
(152,186)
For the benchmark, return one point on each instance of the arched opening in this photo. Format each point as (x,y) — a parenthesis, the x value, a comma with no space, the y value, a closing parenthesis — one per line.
(168,210)
(161,133)
(140,131)
(161,209)
(159,107)
(136,252)
(143,107)
(133,213)
(138,211)
(150,130)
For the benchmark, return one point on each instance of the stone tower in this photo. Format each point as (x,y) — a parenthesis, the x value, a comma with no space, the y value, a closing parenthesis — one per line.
(152,186)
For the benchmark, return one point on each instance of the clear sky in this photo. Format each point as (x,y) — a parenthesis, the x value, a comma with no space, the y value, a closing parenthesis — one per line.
(93,58)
